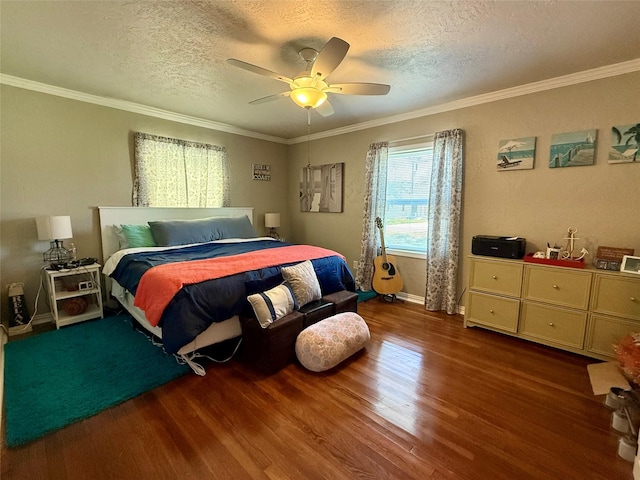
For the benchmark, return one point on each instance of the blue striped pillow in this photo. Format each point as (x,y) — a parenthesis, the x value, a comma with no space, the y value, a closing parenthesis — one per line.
(273,304)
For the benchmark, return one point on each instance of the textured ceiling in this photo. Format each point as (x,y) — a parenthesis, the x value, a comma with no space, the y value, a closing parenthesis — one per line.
(172,55)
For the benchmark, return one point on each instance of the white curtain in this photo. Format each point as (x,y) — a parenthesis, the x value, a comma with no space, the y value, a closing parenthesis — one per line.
(177,173)
(374,203)
(443,240)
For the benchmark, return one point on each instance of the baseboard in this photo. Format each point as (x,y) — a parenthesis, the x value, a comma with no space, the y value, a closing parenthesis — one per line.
(42,318)
(407,297)
(20,329)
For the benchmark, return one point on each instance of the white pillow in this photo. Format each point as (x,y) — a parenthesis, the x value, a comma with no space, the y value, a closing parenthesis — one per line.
(273,304)
(122,239)
(304,282)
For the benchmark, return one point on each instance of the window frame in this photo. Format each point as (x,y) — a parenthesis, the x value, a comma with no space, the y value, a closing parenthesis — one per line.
(394,150)
(155,155)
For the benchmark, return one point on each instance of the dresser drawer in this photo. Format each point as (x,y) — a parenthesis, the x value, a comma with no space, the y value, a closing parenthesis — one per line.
(563,287)
(494,276)
(496,312)
(617,295)
(605,332)
(554,325)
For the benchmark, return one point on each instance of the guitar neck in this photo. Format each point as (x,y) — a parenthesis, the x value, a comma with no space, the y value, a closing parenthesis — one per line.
(382,247)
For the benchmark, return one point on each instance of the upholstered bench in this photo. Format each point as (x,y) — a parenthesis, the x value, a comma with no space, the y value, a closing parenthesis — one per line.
(343,301)
(272,348)
(315,311)
(327,343)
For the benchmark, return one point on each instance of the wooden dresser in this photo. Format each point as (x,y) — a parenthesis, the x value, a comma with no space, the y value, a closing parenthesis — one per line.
(580,310)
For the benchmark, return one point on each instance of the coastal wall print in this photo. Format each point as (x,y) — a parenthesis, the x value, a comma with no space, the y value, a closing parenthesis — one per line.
(625,141)
(516,154)
(321,188)
(573,149)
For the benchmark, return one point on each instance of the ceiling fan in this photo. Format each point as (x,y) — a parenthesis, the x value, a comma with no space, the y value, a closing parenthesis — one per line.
(309,88)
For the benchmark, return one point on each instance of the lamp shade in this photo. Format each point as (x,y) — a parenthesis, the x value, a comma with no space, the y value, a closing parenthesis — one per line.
(272,220)
(54,227)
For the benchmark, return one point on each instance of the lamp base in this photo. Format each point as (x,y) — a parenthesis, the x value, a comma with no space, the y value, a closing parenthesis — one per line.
(57,254)
(273,233)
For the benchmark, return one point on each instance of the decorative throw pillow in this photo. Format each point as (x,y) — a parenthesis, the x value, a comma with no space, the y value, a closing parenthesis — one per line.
(138,236)
(304,282)
(273,304)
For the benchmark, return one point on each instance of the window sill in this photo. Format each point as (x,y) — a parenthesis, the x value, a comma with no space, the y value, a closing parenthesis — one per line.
(407,254)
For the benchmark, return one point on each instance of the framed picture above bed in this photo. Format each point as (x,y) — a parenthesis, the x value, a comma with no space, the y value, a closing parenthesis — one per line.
(321,188)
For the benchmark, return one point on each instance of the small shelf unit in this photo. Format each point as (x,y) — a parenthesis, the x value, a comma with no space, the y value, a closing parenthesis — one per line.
(65,284)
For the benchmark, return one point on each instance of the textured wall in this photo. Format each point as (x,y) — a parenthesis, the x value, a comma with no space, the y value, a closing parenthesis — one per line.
(601,200)
(64,157)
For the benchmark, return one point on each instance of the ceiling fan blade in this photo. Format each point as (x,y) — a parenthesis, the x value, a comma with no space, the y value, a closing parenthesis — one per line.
(259,70)
(270,98)
(325,109)
(359,88)
(329,57)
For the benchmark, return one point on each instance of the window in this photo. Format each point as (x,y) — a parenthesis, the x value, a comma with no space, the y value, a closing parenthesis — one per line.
(177,173)
(408,184)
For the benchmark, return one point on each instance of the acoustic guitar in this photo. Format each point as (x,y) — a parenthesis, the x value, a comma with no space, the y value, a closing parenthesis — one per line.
(386,278)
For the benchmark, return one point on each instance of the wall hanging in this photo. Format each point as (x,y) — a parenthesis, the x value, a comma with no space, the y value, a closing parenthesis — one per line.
(573,149)
(321,188)
(625,141)
(516,154)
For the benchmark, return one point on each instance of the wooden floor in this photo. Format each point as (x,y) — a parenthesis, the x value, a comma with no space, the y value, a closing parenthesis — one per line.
(427,399)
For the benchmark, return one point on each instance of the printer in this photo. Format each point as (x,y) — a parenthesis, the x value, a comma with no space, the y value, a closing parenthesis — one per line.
(494,246)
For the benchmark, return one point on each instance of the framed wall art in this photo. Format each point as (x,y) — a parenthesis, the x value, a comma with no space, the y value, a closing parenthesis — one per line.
(321,188)
(573,149)
(625,141)
(516,154)
(630,264)
(261,171)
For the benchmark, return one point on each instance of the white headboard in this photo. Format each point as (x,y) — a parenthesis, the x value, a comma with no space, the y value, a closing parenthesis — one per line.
(110,216)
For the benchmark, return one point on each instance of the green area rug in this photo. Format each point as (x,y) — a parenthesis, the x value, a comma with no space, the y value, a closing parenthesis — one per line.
(59,377)
(364,296)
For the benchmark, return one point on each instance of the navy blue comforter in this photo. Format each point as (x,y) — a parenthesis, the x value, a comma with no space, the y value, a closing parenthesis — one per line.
(195,307)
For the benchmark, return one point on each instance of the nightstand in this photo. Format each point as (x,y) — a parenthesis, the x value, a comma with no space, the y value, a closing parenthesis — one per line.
(75,295)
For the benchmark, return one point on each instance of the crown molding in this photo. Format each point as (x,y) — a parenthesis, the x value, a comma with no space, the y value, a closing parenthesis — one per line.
(132,107)
(550,84)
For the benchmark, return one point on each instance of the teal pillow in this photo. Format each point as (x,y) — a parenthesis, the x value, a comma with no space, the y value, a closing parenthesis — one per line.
(138,236)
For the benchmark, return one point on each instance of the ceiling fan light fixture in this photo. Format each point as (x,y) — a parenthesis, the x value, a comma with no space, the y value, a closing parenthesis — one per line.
(308,97)
(309,88)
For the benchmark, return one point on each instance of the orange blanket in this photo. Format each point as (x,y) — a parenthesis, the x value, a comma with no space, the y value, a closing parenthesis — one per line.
(159,284)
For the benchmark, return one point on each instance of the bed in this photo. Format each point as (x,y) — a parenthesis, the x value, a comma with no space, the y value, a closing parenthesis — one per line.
(191,294)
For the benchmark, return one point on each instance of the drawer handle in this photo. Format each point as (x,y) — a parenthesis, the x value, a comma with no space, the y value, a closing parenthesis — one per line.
(490,311)
(551,324)
(555,286)
(494,277)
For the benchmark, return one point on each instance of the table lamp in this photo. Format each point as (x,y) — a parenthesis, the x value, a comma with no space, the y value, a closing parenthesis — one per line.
(272,221)
(54,229)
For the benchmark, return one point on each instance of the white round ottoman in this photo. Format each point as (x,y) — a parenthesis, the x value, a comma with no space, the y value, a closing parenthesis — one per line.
(325,344)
